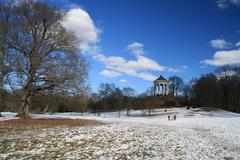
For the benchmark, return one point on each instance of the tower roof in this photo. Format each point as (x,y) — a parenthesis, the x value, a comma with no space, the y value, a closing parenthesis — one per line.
(161,78)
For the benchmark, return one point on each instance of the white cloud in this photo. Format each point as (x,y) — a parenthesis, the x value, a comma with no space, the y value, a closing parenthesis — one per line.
(184,67)
(131,67)
(145,63)
(235,2)
(109,73)
(139,67)
(221,58)
(218,43)
(174,70)
(136,48)
(80,23)
(145,75)
(177,70)
(123,80)
(237,44)
(222,4)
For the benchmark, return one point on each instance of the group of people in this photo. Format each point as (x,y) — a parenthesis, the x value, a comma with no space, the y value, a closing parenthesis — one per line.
(169,116)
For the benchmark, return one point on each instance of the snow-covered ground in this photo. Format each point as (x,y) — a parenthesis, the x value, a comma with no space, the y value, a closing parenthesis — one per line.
(196,134)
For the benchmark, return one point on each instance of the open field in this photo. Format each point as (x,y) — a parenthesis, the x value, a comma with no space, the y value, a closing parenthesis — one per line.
(196,134)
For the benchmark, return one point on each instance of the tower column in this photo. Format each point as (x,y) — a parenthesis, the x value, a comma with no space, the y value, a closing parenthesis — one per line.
(154,89)
(162,89)
(167,89)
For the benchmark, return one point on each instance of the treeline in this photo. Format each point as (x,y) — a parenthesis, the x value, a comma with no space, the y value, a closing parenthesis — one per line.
(108,98)
(112,98)
(220,89)
(42,103)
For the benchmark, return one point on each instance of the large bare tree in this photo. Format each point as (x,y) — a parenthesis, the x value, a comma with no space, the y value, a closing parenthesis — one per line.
(47,58)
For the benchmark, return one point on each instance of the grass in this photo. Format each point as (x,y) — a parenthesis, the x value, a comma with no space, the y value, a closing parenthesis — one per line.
(20,137)
(48,122)
(14,126)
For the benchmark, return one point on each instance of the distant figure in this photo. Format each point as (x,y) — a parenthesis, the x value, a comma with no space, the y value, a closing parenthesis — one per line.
(175,117)
(169,117)
(165,110)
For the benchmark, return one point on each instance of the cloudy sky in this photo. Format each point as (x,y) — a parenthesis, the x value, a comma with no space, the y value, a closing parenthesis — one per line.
(132,42)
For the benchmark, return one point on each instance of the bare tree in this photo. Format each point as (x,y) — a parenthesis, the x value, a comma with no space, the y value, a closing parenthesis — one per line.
(129,93)
(106,92)
(47,53)
(219,89)
(94,103)
(175,85)
(150,91)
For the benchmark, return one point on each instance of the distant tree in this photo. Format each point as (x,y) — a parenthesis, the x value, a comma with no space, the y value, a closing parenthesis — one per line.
(205,91)
(149,91)
(106,92)
(228,87)
(237,71)
(78,103)
(118,100)
(106,89)
(188,89)
(226,71)
(128,93)
(94,103)
(47,58)
(175,85)
(117,93)
(220,89)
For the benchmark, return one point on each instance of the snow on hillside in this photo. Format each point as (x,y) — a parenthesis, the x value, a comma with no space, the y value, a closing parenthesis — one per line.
(196,134)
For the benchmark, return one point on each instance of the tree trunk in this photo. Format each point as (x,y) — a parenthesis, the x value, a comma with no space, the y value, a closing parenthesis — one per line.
(128,112)
(26,105)
(119,113)
(46,108)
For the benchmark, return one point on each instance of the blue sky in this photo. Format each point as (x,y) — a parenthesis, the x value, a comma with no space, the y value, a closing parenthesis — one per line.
(131,42)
